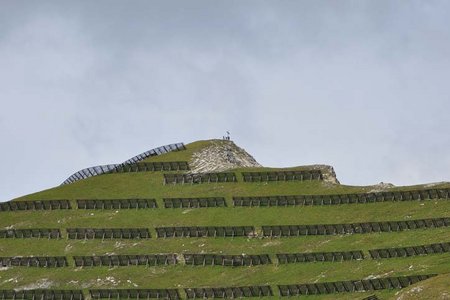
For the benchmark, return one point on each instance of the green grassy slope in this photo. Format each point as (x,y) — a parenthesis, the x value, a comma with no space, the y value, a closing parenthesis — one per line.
(150,185)
(434,288)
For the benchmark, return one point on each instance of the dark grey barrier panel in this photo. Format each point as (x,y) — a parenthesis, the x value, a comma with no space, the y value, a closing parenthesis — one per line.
(350,286)
(282,176)
(151,166)
(99,170)
(286,258)
(108,233)
(116,204)
(194,202)
(229,292)
(31,233)
(156,152)
(34,261)
(330,229)
(371,297)
(199,178)
(226,260)
(410,251)
(134,294)
(205,231)
(335,199)
(125,260)
(35,205)
(41,294)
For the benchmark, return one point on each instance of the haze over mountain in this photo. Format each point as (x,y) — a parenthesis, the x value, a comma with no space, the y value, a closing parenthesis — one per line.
(359,85)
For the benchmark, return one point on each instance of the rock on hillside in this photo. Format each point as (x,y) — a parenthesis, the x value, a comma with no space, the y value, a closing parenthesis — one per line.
(220,156)
(224,155)
(381,187)
(329,176)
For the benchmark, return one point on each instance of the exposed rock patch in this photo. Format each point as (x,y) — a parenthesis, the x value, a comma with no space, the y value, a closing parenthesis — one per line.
(224,155)
(40,284)
(381,187)
(221,156)
(329,176)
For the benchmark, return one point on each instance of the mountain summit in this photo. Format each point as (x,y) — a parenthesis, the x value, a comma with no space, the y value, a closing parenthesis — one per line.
(206,220)
(221,155)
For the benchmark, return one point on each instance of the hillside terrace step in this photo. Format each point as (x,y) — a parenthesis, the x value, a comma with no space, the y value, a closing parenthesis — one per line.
(176,178)
(35,205)
(34,261)
(350,285)
(226,260)
(367,227)
(335,199)
(212,259)
(205,231)
(302,175)
(229,292)
(50,233)
(117,204)
(171,294)
(286,258)
(410,251)
(320,288)
(238,201)
(41,294)
(230,231)
(108,233)
(125,260)
(194,202)
(150,167)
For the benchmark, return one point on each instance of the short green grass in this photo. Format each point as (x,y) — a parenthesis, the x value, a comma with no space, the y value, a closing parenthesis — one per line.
(150,185)
(433,288)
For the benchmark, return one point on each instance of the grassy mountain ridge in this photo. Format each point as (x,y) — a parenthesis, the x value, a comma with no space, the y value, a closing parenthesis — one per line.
(150,185)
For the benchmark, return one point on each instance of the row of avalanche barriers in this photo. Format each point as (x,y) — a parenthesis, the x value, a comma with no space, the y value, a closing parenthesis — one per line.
(98,170)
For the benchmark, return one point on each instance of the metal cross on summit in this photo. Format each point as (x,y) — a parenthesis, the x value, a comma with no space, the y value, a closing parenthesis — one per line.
(227,137)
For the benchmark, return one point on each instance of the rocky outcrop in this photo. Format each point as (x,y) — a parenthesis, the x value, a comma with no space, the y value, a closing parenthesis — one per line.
(224,155)
(220,156)
(329,176)
(381,187)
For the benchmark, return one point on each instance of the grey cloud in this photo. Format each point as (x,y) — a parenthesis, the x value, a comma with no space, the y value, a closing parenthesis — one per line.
(361,85)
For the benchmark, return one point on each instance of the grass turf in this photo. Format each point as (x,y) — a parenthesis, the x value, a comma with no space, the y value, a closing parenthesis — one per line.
(150,185)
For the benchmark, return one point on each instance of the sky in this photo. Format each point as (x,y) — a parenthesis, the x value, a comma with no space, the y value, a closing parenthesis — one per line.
(359,85)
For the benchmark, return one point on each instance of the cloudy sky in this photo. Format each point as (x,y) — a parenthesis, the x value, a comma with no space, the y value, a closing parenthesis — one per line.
(360,85)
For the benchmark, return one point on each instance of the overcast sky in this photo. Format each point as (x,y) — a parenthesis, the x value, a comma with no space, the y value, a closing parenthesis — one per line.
(360,85)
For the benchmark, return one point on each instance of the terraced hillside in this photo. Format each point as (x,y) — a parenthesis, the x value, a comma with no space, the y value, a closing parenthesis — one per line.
(156,228)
